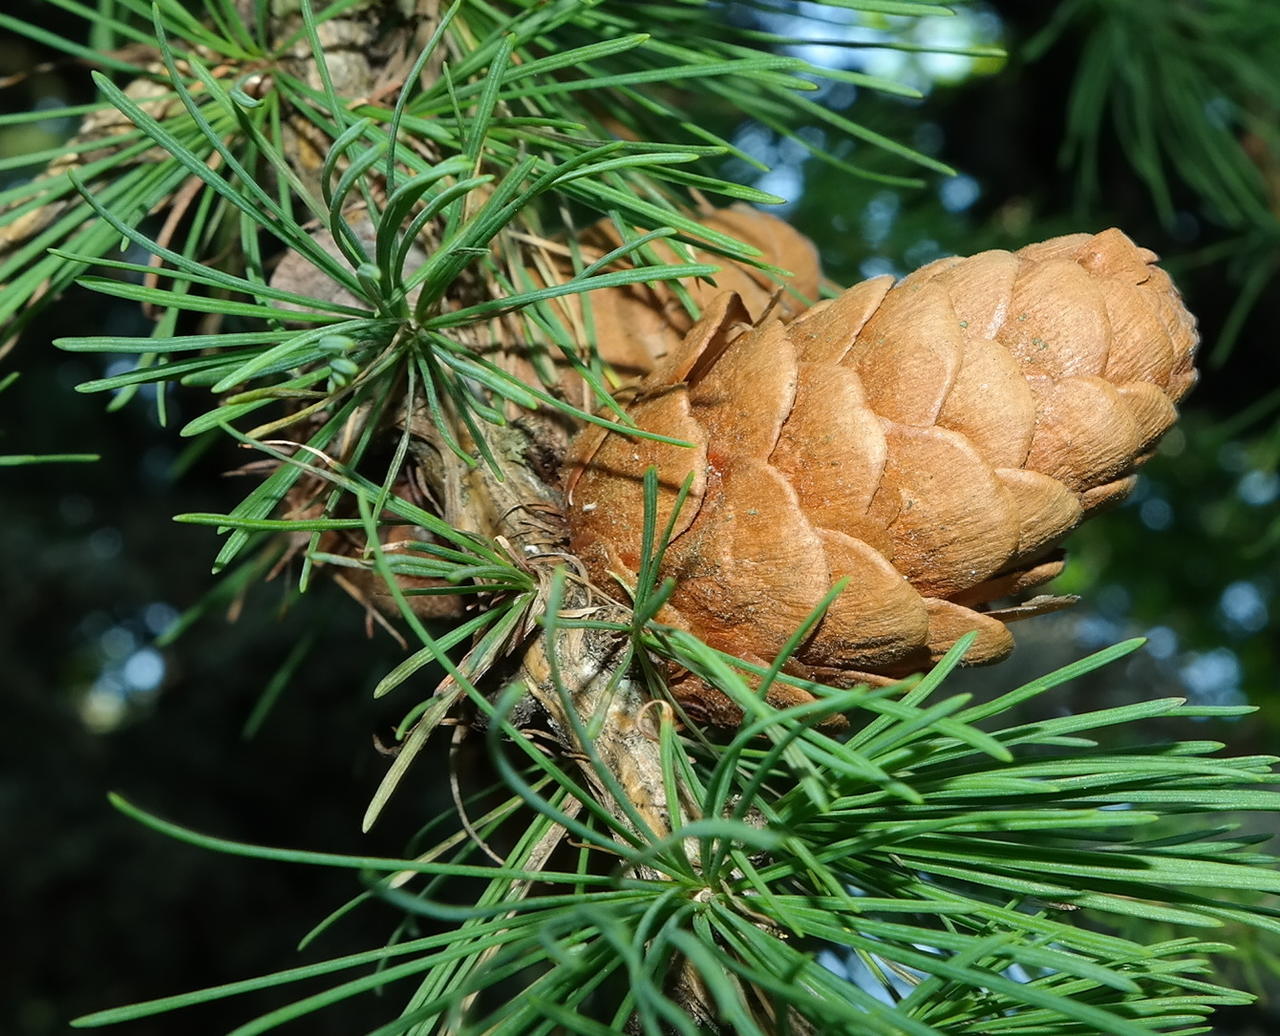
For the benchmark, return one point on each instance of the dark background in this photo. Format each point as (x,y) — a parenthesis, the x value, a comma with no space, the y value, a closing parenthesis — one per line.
(101,911)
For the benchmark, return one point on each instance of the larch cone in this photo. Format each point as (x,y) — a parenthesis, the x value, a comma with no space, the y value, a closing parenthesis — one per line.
(930,441)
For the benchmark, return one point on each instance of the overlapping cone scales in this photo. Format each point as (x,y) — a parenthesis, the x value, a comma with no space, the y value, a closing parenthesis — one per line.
(636,325)
(929,442)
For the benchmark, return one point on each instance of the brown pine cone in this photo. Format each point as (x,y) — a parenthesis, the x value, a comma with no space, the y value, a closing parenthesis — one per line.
(932,441)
